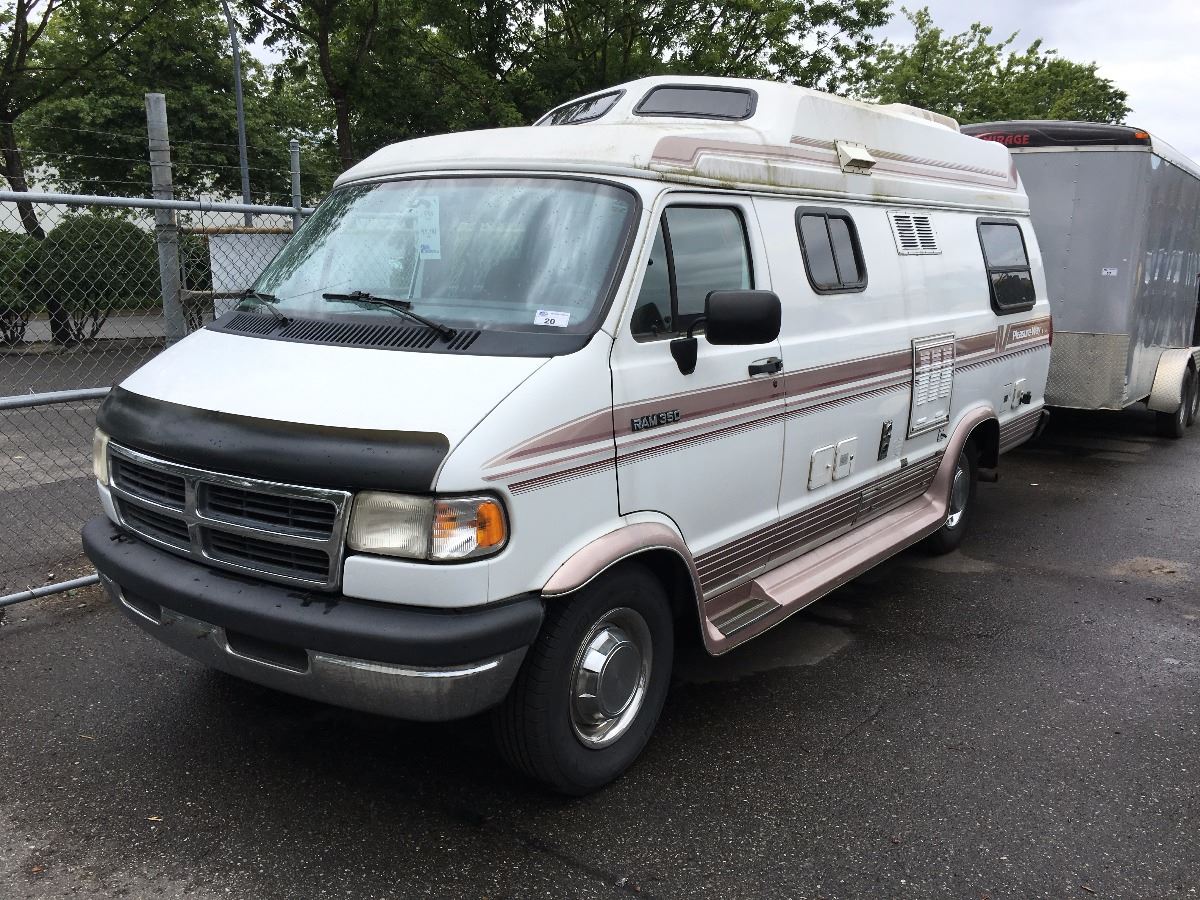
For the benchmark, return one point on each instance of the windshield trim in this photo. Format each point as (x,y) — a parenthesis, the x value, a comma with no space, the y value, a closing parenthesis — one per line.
(493,341)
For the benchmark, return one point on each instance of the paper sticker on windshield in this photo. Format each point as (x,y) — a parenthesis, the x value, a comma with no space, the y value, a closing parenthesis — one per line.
(552,318)
(429,228)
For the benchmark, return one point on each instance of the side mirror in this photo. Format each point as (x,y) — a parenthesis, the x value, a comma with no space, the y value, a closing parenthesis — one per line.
(742,317)
(731,318)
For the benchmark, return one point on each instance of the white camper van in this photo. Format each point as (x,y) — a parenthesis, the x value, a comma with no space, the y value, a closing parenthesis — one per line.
(1117,212)
(513,406)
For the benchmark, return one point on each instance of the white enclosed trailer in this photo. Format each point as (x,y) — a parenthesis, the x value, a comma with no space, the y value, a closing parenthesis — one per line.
(1117,215)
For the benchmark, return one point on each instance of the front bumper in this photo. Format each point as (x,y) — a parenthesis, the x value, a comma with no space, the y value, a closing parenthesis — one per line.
(413,663)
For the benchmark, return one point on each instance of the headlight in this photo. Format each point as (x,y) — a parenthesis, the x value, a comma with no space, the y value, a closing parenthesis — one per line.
(446,528)
(100,456)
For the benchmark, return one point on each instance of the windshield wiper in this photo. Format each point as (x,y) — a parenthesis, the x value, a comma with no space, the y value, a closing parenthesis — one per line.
(265,301)
(392,304)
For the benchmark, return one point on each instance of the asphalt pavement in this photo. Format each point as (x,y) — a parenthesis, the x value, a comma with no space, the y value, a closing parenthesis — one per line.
(1018,719)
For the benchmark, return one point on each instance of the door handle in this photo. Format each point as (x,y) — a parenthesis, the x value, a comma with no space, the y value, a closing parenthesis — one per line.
(769,366)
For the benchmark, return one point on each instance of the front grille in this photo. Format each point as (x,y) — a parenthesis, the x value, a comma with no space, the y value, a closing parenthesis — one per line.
(314,517)
(168,529)
(287,533)
(152,484)
(266,555)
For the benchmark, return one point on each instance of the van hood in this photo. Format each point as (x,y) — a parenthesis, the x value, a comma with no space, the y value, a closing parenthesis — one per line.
(308,413)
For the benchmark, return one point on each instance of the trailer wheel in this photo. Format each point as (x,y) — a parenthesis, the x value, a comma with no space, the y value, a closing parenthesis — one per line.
(1195,406)
(962,505)
(1174,424)
(591,688)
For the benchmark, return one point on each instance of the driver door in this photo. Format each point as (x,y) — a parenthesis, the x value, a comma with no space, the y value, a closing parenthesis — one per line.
(706,448)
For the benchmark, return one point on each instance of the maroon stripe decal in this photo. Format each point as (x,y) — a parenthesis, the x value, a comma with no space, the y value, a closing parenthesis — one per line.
(834,385)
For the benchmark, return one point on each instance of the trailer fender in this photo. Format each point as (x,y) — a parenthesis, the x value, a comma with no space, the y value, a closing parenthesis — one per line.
(1167,393)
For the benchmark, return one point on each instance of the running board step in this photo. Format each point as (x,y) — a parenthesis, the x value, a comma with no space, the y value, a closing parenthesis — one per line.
(739,614)
(743,615)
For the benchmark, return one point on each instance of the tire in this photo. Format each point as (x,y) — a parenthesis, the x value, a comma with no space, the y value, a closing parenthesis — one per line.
(557,724)
(1174,424)
(1194,409)
(962,506)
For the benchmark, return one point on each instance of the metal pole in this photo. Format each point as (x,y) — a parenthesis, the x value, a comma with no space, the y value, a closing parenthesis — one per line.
(142,203)
(78,395)
(48,589)
(294,155)
(166,232)
(241,112)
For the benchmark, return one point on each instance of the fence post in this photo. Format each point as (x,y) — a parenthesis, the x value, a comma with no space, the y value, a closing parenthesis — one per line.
(166,232)
(294,154)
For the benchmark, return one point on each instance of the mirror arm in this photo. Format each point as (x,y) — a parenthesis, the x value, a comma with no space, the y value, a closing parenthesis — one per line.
(684,349)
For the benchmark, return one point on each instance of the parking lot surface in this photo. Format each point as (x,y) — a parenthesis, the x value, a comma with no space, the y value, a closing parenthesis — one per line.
(1018,719)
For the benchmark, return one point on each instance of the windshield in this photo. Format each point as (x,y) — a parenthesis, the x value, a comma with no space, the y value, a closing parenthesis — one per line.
(511,253)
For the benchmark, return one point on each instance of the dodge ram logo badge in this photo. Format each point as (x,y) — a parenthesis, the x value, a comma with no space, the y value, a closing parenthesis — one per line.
(655,420)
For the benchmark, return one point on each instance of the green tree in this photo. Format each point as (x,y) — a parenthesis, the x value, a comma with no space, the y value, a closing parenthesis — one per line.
(973,78)
(29,77)
(328,39)
(91,134)
(394,69)
(15,307)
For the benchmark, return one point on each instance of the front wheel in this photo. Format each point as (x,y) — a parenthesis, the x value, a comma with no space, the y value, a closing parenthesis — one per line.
(960,508)
(592,686)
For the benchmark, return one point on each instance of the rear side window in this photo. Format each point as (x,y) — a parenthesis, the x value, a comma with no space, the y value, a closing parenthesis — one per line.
(699,102)
(1010,279)
(586,110)
(697,249)
(832,253)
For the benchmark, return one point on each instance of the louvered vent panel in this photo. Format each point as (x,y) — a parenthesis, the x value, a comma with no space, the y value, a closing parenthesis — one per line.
(349,334)
(914,234)
(250,323)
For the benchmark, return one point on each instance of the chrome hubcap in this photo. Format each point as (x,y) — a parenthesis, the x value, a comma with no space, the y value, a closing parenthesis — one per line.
(960,490)
(609,678)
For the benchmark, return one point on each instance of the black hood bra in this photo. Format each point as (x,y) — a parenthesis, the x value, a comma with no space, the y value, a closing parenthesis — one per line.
(311,455)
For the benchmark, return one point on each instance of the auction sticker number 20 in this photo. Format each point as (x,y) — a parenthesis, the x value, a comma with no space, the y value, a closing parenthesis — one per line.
(552,318)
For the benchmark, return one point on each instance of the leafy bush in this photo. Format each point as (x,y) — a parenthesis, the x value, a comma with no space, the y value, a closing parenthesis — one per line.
(90,265)
(15,307)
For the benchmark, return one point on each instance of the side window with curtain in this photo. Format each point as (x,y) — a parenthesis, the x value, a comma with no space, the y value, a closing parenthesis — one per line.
(697,249)
(832,253)
(1010,279)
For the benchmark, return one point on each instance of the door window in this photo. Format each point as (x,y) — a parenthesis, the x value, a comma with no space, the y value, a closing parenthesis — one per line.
(1007,262)
(697,249)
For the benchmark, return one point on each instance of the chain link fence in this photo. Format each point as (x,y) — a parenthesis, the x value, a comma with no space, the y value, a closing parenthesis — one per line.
(82,297)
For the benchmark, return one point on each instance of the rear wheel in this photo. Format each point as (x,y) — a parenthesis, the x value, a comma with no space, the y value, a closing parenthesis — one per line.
(961,506)
(1173,424)
(592,686)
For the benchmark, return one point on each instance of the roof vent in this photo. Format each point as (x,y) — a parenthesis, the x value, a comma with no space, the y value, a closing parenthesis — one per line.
(855,158)
(914,234)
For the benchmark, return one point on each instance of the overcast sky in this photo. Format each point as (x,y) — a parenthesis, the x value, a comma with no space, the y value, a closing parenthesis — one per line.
(1149,48)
